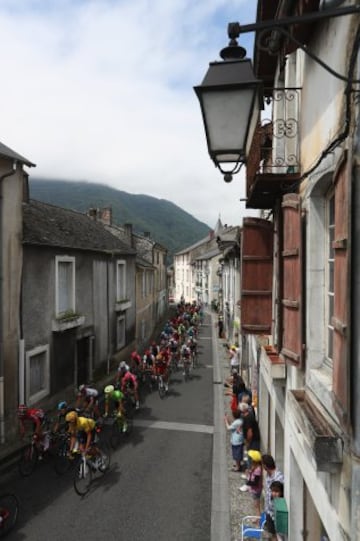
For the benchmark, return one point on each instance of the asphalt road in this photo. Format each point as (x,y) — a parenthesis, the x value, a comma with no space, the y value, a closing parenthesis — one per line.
(159,486)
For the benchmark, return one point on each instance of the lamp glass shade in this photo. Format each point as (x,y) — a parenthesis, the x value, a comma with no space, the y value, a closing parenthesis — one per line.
(225,116)
(230,99)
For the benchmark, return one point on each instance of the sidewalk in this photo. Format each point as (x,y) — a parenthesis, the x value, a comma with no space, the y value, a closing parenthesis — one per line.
(240,503)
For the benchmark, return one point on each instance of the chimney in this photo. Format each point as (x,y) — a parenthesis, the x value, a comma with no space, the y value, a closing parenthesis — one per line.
(92,213)
(106,215)
(129,233)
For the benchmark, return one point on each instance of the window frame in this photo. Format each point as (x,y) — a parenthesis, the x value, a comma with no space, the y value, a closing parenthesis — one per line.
(329,262)
(39,395)
(120,340)
(59,259)
(121,286)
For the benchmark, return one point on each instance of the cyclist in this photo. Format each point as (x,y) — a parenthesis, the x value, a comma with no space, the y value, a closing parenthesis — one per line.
(87,400)
(154,349)
(128,382)
(61,411)
(37,417)
(161,367)
(117,397)
(148,360)
(81,429)
(185,355)
(135,361)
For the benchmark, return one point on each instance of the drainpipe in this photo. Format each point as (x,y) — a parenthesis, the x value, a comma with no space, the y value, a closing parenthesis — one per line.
(355,314)
(2,400)
(108,316)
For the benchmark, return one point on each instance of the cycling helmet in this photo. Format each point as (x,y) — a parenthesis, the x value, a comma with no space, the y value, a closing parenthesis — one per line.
(109,389)
(62,405)
(123,366)
(81,388)
(22,411)
(71,417)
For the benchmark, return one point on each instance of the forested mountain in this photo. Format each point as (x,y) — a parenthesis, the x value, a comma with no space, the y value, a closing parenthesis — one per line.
(167,223)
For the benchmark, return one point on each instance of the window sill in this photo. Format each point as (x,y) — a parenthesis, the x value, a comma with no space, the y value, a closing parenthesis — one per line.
(122,305)
(59,325)
(272,363)
(319,380)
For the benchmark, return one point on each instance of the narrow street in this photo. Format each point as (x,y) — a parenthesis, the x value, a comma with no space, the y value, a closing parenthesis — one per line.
(159,486)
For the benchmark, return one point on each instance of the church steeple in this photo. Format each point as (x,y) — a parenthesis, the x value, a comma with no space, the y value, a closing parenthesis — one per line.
(219,226)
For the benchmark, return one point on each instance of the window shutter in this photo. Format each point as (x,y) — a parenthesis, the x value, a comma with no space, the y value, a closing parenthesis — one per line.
(256,276)
(292,336)
(340,318)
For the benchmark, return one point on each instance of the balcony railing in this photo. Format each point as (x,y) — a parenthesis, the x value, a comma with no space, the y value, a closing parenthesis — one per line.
(273,164)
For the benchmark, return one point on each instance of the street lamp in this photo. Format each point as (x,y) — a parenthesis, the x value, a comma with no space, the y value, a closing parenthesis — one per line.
(230,99)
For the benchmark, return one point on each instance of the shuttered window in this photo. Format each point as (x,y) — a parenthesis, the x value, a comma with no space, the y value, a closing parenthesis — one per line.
(292,338)
(256,276)
(341,282)
(329,278)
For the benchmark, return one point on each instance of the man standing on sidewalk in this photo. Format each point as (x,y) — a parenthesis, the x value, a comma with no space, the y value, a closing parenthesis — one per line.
(250,428)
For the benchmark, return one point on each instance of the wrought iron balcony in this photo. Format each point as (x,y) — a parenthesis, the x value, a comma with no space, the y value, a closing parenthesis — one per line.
(273,166)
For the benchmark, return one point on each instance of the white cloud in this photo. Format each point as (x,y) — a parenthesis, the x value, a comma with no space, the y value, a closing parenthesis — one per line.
(102,90)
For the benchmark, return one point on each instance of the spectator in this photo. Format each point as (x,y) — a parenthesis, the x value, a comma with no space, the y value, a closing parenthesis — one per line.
(254,479)
(272,474)
(234,359)
(221,327)
(250,427)
(236,439)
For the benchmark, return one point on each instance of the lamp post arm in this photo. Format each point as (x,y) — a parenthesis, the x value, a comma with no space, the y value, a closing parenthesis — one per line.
(282,25)
(235,29)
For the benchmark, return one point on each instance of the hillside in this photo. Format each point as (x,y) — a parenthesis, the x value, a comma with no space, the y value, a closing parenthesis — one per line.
(167,223)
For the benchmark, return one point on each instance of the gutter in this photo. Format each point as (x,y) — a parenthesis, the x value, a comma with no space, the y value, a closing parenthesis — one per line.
(2,400)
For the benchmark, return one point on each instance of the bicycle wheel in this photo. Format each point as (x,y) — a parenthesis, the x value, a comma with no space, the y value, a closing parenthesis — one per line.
(186,371)
(161,388)
(28,460)
(116,434)
(83,478)
(105,457)
(9,510)
(62,463)
(129,427)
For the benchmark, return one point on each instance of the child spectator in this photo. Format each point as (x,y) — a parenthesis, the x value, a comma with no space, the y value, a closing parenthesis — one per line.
(236,439)
(254,480)
(272,475)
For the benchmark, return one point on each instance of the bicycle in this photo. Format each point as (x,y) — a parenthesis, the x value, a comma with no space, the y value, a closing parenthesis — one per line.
(9,510)
(121,427)
(98,460)
(186,365)
(148,379)
(194,358)
(161,386)
(33,452)
(174,364)
(62,463)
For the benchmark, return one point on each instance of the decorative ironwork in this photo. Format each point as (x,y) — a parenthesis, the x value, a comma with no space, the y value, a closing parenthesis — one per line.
(279,139)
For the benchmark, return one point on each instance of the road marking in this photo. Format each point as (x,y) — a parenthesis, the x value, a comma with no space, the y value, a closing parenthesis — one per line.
(204,338)
(186,427)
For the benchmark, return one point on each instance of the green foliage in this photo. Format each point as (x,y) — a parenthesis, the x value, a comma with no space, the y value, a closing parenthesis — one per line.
(167,223)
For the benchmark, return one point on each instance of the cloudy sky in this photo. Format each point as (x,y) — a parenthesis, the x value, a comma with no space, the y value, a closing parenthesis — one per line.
(102,90)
